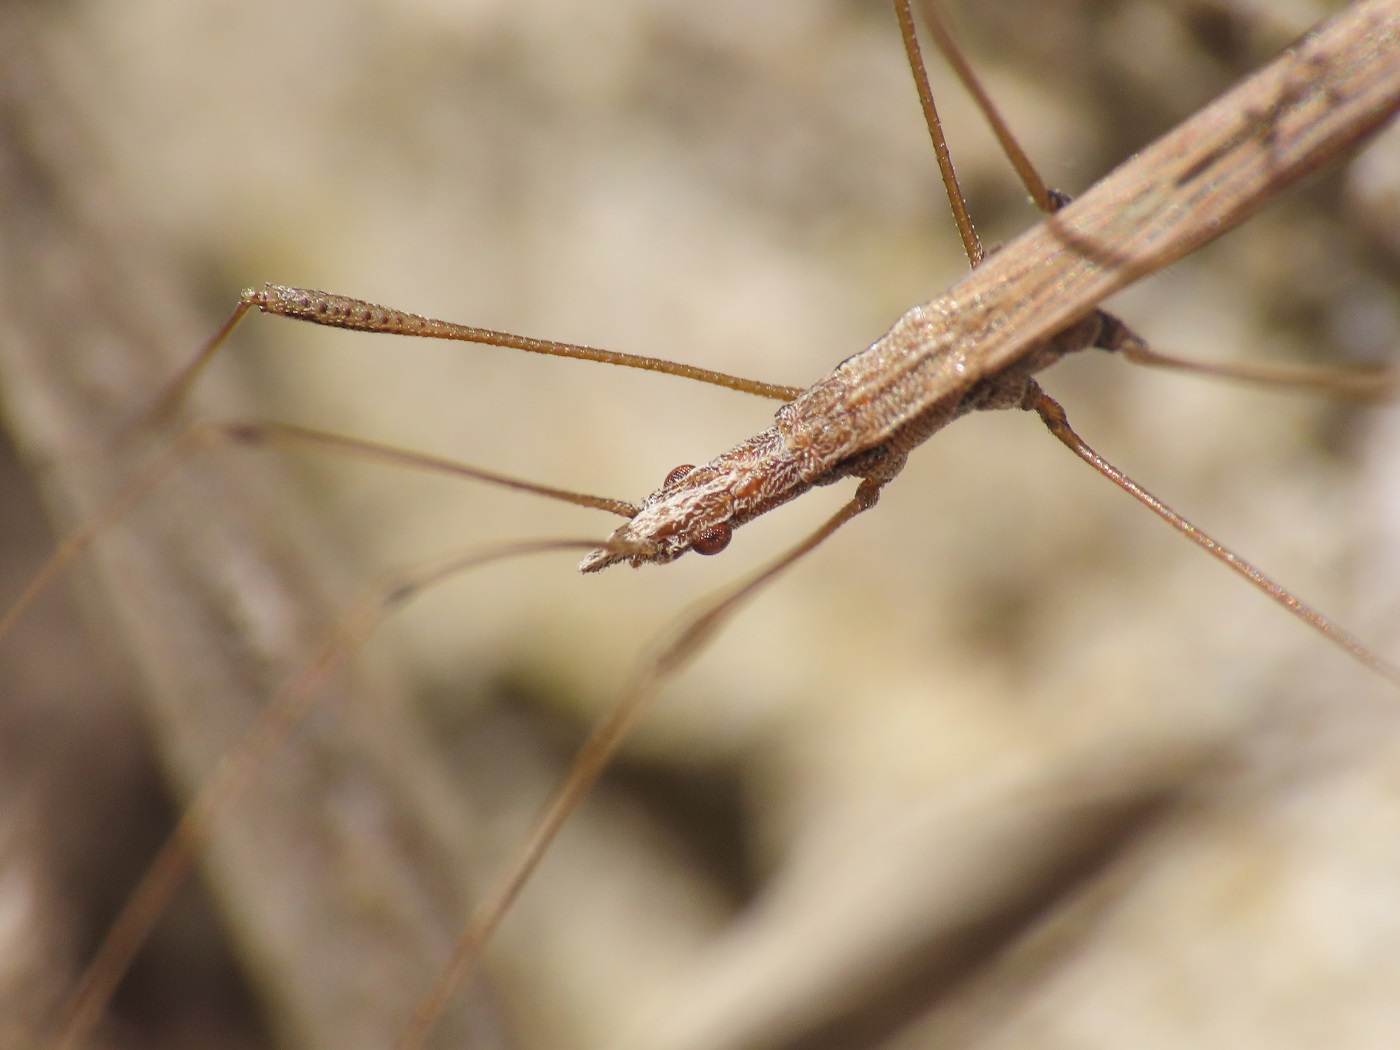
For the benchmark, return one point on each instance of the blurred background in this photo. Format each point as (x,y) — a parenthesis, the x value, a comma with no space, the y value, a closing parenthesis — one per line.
(1005,763)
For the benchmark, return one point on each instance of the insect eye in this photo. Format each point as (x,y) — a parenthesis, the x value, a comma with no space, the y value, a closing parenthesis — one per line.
(677,474)
(712,541)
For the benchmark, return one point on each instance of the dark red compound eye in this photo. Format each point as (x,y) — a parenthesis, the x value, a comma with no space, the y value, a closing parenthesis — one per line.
(712,541)
(677,474)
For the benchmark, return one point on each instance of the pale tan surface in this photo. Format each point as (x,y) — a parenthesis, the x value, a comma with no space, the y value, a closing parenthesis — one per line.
(1007,728)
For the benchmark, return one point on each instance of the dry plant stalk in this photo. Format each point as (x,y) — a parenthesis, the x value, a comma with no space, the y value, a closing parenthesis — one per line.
(217,609)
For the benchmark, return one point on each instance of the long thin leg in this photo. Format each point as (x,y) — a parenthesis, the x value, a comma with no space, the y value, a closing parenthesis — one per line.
(75,543)
(1053,415)
(291,704)
(687,639)
(1046,199)
(175,859)
(972,244)
(341,311)
(290,435)
(1360,383)
(204,435)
